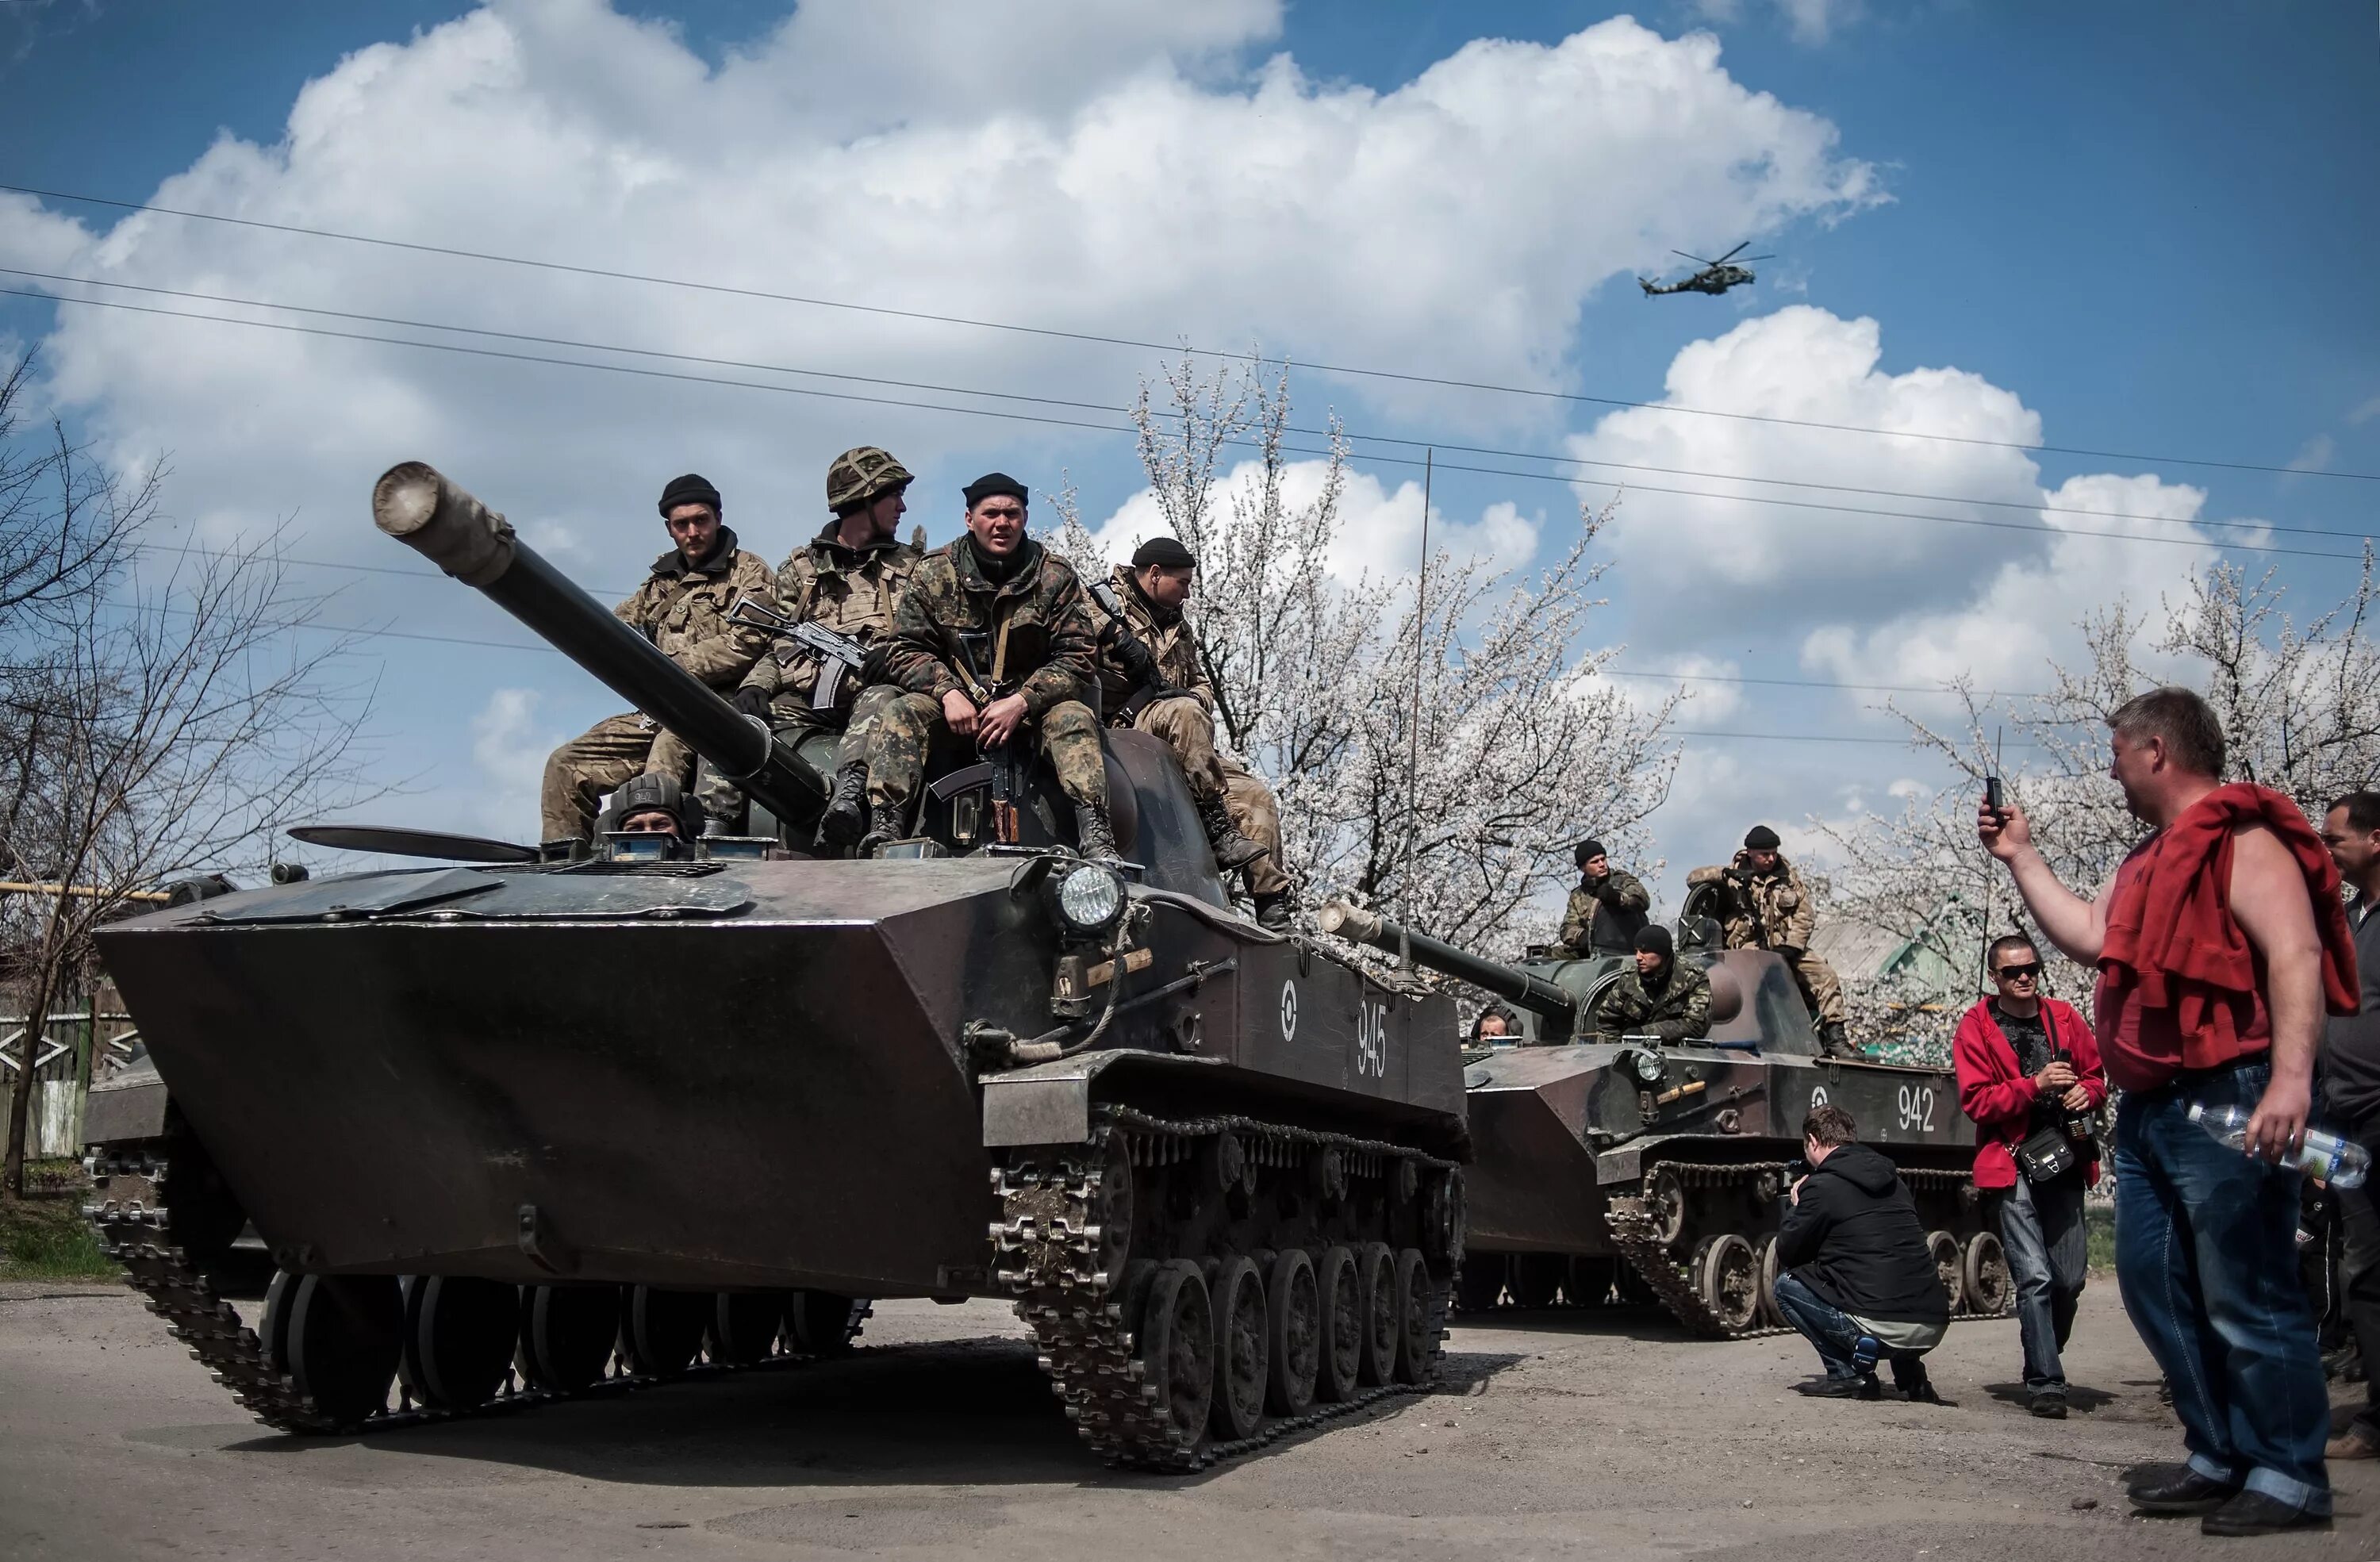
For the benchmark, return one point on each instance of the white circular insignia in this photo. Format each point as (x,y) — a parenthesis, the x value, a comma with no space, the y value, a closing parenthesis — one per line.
(1288,1010)
(1818,1097)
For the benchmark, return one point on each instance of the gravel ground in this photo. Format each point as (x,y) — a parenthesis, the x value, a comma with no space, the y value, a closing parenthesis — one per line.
(1607,1437)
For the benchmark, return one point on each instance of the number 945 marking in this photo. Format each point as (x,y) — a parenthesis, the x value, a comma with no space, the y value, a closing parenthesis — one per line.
(1916,1104)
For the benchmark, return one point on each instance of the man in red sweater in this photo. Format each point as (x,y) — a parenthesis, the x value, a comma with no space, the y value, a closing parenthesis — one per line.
(2220,943)
(2028,1066)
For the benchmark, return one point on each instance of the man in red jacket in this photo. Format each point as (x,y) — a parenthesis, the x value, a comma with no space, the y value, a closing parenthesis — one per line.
(2028,1065)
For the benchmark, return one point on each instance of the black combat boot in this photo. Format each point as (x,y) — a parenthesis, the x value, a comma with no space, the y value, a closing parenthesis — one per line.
(1094,836)
(1233,849)
(1836,1042)
(887,822)
(1275,912)
(847,809)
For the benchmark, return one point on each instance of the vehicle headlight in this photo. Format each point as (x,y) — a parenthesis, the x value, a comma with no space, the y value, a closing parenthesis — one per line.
(1647,1067)
(1091,897)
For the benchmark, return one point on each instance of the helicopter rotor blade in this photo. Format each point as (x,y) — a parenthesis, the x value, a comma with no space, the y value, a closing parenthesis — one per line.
(399,842)
(1749,259)
(1696,259)
(1732,253)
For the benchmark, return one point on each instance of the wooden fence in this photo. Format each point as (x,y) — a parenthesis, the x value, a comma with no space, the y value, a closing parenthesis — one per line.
(87,1034)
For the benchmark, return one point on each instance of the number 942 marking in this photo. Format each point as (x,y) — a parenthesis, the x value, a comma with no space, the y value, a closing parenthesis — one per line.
(1916,1104)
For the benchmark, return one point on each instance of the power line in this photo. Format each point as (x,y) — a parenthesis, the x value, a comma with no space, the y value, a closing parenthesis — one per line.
(1114,428)
(1417,444)
(1093,337)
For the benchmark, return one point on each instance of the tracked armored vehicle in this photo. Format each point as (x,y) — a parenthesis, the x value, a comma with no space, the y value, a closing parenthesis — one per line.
(521,1129)
(1658,1172)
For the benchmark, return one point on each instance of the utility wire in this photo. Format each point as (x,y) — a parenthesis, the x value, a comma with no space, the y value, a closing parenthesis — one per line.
(1115,429)
(1417,444)
(926,316)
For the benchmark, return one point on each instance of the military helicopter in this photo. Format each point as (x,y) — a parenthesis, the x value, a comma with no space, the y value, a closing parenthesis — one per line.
(1715,278)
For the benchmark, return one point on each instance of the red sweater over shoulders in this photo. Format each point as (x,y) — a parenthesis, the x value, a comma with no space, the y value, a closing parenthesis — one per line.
(1999,1098)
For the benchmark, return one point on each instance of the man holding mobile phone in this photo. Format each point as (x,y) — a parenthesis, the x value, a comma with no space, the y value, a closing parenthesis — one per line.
(2028,1067)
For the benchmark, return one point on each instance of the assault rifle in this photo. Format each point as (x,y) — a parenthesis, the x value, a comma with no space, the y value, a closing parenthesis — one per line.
(837,654)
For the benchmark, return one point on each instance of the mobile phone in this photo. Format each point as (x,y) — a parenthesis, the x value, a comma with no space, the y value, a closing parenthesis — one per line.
(1994,799)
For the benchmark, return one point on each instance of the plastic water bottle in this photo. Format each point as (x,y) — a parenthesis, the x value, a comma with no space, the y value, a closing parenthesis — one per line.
(2326,1157)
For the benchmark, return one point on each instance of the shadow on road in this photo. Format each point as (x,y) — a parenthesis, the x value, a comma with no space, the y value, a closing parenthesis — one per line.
(2078,1397)
(961,1412)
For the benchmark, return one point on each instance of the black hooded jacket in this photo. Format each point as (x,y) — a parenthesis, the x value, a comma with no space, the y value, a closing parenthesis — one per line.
(1855,1240)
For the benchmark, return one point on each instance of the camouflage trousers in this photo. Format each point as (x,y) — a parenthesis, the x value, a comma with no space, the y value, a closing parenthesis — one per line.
(581,771)
(1068,732)
(1189,728)
(794,720)
(1821,988)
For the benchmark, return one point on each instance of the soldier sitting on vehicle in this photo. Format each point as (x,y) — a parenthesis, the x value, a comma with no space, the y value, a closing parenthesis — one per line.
(1150,680)
(1771,909)
(848,580)
(1663,997)
(992,634)
(682,608)
(1605,909)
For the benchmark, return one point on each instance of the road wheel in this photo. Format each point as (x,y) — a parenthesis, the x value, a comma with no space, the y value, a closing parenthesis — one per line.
(1375,1280)
(1665,1204)
(1177,1349)
(1415,1336)
(1243,1339)
(1986,1274)
(744,1325)
(1537,1278)
(1770,1314)
(820,1323)
(1294,1306)
(1338,1281)
(662,1330)
(1726,1278)
(345,1335)
(566,1334)
(1482,1282)
(1588,1282)
(459,1334)
(1949,1266)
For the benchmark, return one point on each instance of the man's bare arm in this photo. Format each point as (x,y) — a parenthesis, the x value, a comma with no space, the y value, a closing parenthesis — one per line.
(2268,896)
(2079,927)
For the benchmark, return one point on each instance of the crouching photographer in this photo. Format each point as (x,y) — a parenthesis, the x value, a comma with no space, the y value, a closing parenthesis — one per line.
(1855,1277)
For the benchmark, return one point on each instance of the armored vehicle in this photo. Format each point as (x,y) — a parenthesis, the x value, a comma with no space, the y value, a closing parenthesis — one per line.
(1658,1172)
(518,1129)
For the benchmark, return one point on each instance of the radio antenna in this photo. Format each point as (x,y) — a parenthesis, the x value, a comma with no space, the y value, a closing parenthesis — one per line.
(1989,880)
(1412,744)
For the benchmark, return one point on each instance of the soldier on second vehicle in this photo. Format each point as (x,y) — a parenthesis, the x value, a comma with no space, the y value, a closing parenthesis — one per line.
(682,609)
(1662,997)
(1605,909)
(1151,679)
(848,579)
(991,635)
(1776,912)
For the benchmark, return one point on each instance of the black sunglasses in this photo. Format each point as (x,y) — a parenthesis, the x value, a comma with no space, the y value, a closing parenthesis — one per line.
(2034,970)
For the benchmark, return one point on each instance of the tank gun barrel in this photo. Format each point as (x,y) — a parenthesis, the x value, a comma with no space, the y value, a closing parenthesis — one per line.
(429,513)
(1514,987)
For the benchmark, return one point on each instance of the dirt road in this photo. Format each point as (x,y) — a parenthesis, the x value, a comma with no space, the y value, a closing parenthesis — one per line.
(1608,1437)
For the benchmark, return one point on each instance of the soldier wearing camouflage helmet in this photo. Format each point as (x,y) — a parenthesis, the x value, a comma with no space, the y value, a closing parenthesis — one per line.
(991,638)
(681,608)
(1774,910)
(849,578)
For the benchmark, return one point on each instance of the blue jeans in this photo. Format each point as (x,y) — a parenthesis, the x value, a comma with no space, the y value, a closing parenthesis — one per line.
(2048,1252)
(1836,1337)
(2207,1256)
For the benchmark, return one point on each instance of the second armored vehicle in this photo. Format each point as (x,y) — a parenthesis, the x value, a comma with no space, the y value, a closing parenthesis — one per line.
(1659,1172)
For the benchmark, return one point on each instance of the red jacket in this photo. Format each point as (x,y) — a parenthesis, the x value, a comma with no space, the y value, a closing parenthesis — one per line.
(1999,1098)
(2174,944)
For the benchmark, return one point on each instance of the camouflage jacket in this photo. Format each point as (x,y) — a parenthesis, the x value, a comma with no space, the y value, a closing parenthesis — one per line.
(854,591)
(682,609)
(1782,916)
(1677,1008)
(1031,634)
(1171,646)
(1604,917)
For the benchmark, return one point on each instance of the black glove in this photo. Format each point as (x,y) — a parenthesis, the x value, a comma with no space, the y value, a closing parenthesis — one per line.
(753,701)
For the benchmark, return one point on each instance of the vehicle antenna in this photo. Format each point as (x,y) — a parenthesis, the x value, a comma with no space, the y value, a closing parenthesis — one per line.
(1412,751)
(1986,958)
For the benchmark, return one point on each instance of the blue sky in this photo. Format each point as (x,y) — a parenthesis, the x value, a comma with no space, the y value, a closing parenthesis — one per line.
(2150,225)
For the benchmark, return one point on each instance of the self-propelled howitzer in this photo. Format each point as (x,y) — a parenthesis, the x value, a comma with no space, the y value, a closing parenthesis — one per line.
(1655,1171)
(527,1128)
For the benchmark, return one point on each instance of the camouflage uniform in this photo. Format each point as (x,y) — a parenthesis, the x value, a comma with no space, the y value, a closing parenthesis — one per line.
(1029,635)
(1782,917)
(682,609)
(1185,721)
(855,592)
(1614,905)
(1674,1006)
